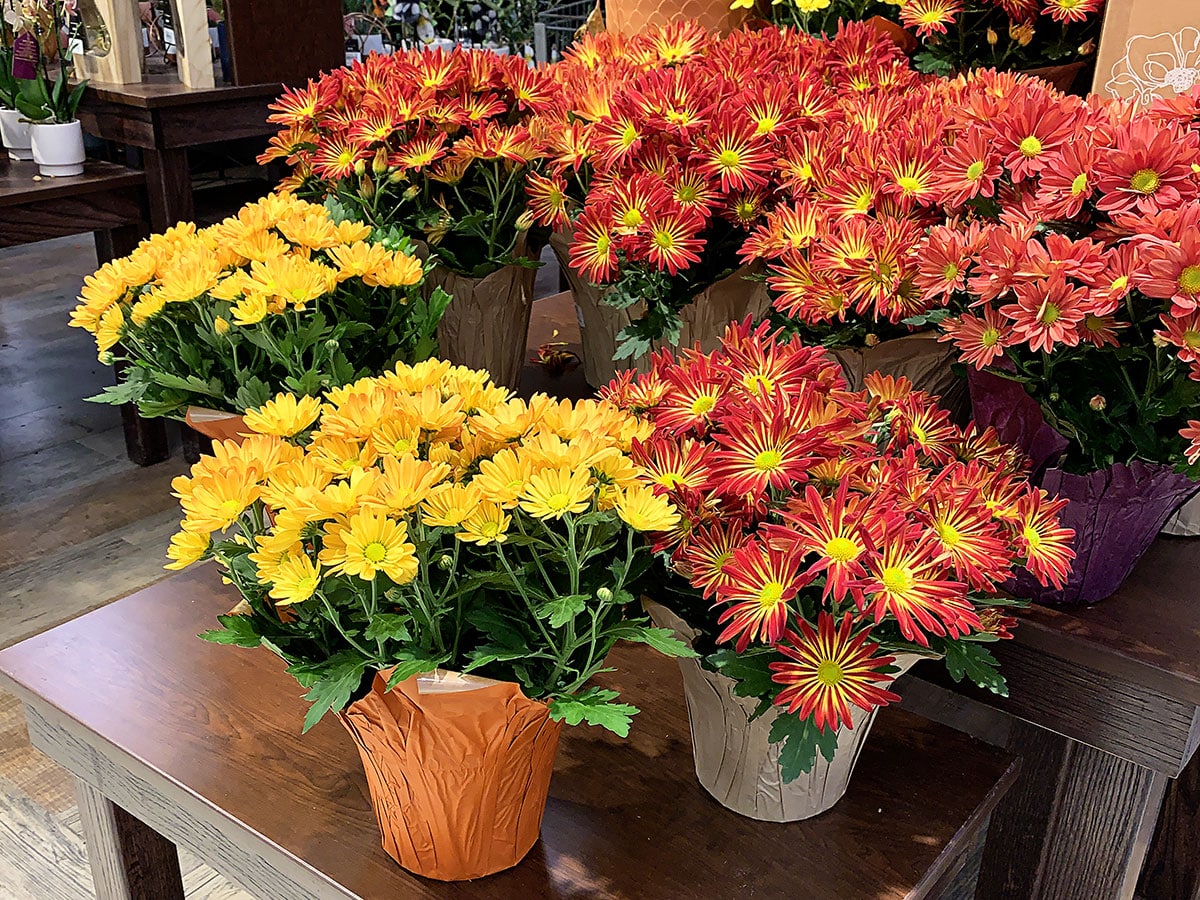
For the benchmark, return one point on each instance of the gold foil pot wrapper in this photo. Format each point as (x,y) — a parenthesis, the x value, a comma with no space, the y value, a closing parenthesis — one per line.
(458,768)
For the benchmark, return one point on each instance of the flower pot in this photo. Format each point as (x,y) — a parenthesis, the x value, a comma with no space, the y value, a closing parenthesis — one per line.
(215,424)
(898,35)
(634,16)
(15,135)
(1006,406)
(1061,77)
(704,319)
(458,769)
(1116,514)
(919,357)
(486,325)
(734,757)
(58,148)
(1186,521)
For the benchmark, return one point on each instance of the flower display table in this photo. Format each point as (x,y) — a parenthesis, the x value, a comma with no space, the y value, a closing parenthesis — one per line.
(215,763)
(108,200)
(163,118)
(1105,709)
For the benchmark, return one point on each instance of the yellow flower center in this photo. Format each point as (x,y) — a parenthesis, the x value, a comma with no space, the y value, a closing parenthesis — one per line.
(950,272)
(830,673)
(909,184)
(975,170)
(920,433)
(703,404)
(729,159)
(1050,314)
(770,595)
(687,194)
(230,508)
(1189,279)
(841,549)
(629,135)
(768,460)
(1032,538)
(990,337)
(632,218)
(1030,147)
(1079,185)
(767,124)
(558,502)
(1191,339)
(897,580)
(669,479)
(664,240)
(489,528)
(306,585)
(950,535)
(1119,283)
(755,383)
(374,552)
(1145,181)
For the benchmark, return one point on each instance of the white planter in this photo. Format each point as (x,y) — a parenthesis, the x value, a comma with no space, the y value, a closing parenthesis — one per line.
(58,148)
(15,134)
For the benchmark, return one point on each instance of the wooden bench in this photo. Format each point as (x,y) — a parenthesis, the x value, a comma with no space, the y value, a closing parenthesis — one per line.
(172,739)
(107,200)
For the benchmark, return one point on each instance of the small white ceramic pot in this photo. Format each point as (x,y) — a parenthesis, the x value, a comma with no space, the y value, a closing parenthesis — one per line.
(15,135)
(58,148)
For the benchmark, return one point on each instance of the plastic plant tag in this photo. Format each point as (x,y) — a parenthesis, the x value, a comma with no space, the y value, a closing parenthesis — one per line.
(25,56)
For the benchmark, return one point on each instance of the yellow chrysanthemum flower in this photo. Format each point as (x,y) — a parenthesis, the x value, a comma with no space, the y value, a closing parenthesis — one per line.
(259,246)
(189,276)
(502,478)
(231,286)
(505,422)
(407,481)
(449,504)
(398,270)
(108,331)
(487,524)
(285,480)
(215,502)
(312,229)
(341,498)
(552,493)
(291,279)
(284,415)
(187,547)
(272,550)
(250,310)
(349,232)
(137,268)
(396,437)
(440,418)
(341,455)
(148,305)
(643,510)
(359,413)
(358,260)
(370,544)
(295,580)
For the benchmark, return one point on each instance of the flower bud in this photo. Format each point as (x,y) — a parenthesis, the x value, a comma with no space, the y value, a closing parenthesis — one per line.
(412,192)
(871,340)
(360,167)
(604,595)
(379,164)
(992,37)
(1159,341)
(445,562)
(331,344)
(366,189)
(1098,403)
(525,221)
(1088,47)
(220,325)
(396,177)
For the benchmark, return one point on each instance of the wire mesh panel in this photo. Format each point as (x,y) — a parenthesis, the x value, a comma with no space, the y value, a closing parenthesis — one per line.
(557,26)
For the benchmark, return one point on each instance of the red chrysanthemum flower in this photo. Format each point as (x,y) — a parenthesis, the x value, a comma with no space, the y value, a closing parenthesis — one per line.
(830,670)
(970,537)
(1045,544)
(759,447)
(548,199)
(673,240)
(710,548)
(1149,169)
(336,158)
(969,168)
(762,580)
(930,16)
(842,531)
(593,253)
(1071,10)
(1192,434)
(736,155)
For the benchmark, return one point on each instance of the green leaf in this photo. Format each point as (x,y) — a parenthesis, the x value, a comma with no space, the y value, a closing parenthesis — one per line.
(750,670)
(801,742)
(252,393)
(411,665)
(118,394)
(239,631)
(562,610)
(661,639)
(388,627)
(490,653)
(187,383)
(343,673)
(594,706)
(969,659)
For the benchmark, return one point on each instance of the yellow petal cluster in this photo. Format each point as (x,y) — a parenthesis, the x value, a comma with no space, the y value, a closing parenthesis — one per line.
(347,488)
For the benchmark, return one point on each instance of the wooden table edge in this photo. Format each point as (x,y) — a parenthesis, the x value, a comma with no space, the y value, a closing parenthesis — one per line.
(46,721)
(943,868)
(67,186)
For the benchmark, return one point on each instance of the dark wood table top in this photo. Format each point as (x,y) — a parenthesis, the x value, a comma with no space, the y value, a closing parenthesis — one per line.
(1147,633)
(162,91)
(626,818)
(18,185)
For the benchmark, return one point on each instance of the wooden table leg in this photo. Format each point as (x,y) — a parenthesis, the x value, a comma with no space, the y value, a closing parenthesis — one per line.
(1173,864)
(1075,826)
(169,187)
(129,859)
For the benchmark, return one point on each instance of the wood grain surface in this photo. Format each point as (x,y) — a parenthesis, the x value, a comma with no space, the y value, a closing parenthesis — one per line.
(20,184)
(202,742)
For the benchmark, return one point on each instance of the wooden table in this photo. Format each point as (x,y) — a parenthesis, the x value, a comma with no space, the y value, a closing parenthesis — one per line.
(176,740)
(1106,707)
(163,118)
(108,200)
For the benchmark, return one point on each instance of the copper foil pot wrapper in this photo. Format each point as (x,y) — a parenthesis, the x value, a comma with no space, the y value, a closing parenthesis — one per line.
(217,425)
(458,769)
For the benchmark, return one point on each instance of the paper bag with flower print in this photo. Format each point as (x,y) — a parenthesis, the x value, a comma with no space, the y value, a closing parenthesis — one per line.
(1148,49)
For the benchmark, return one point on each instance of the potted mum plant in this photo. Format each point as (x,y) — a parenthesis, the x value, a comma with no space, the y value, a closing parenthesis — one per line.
(433,558)
(1079,291)
(211,322)
(829,539)
(437,147)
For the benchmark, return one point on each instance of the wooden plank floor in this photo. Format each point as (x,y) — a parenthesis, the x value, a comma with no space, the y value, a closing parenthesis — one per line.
(80,526)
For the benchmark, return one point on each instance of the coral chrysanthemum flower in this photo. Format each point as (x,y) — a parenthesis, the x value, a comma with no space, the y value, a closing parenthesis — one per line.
(1047,312)
(904,582)
(673,241)
(1148,169)
(969,168)
(830,670)
(1071,10)
(1045,543)
(1172,271)
(1068,180)
(1033,127)
(980,341)
(762,580)
(369,544)
(929,16)
(1184,333)
(1192,434)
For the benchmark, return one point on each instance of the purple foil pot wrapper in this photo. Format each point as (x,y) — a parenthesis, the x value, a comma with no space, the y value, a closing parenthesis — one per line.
(1116,512)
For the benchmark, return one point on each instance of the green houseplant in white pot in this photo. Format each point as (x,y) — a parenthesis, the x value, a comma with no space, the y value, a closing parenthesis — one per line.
(56,137)
(14,133)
